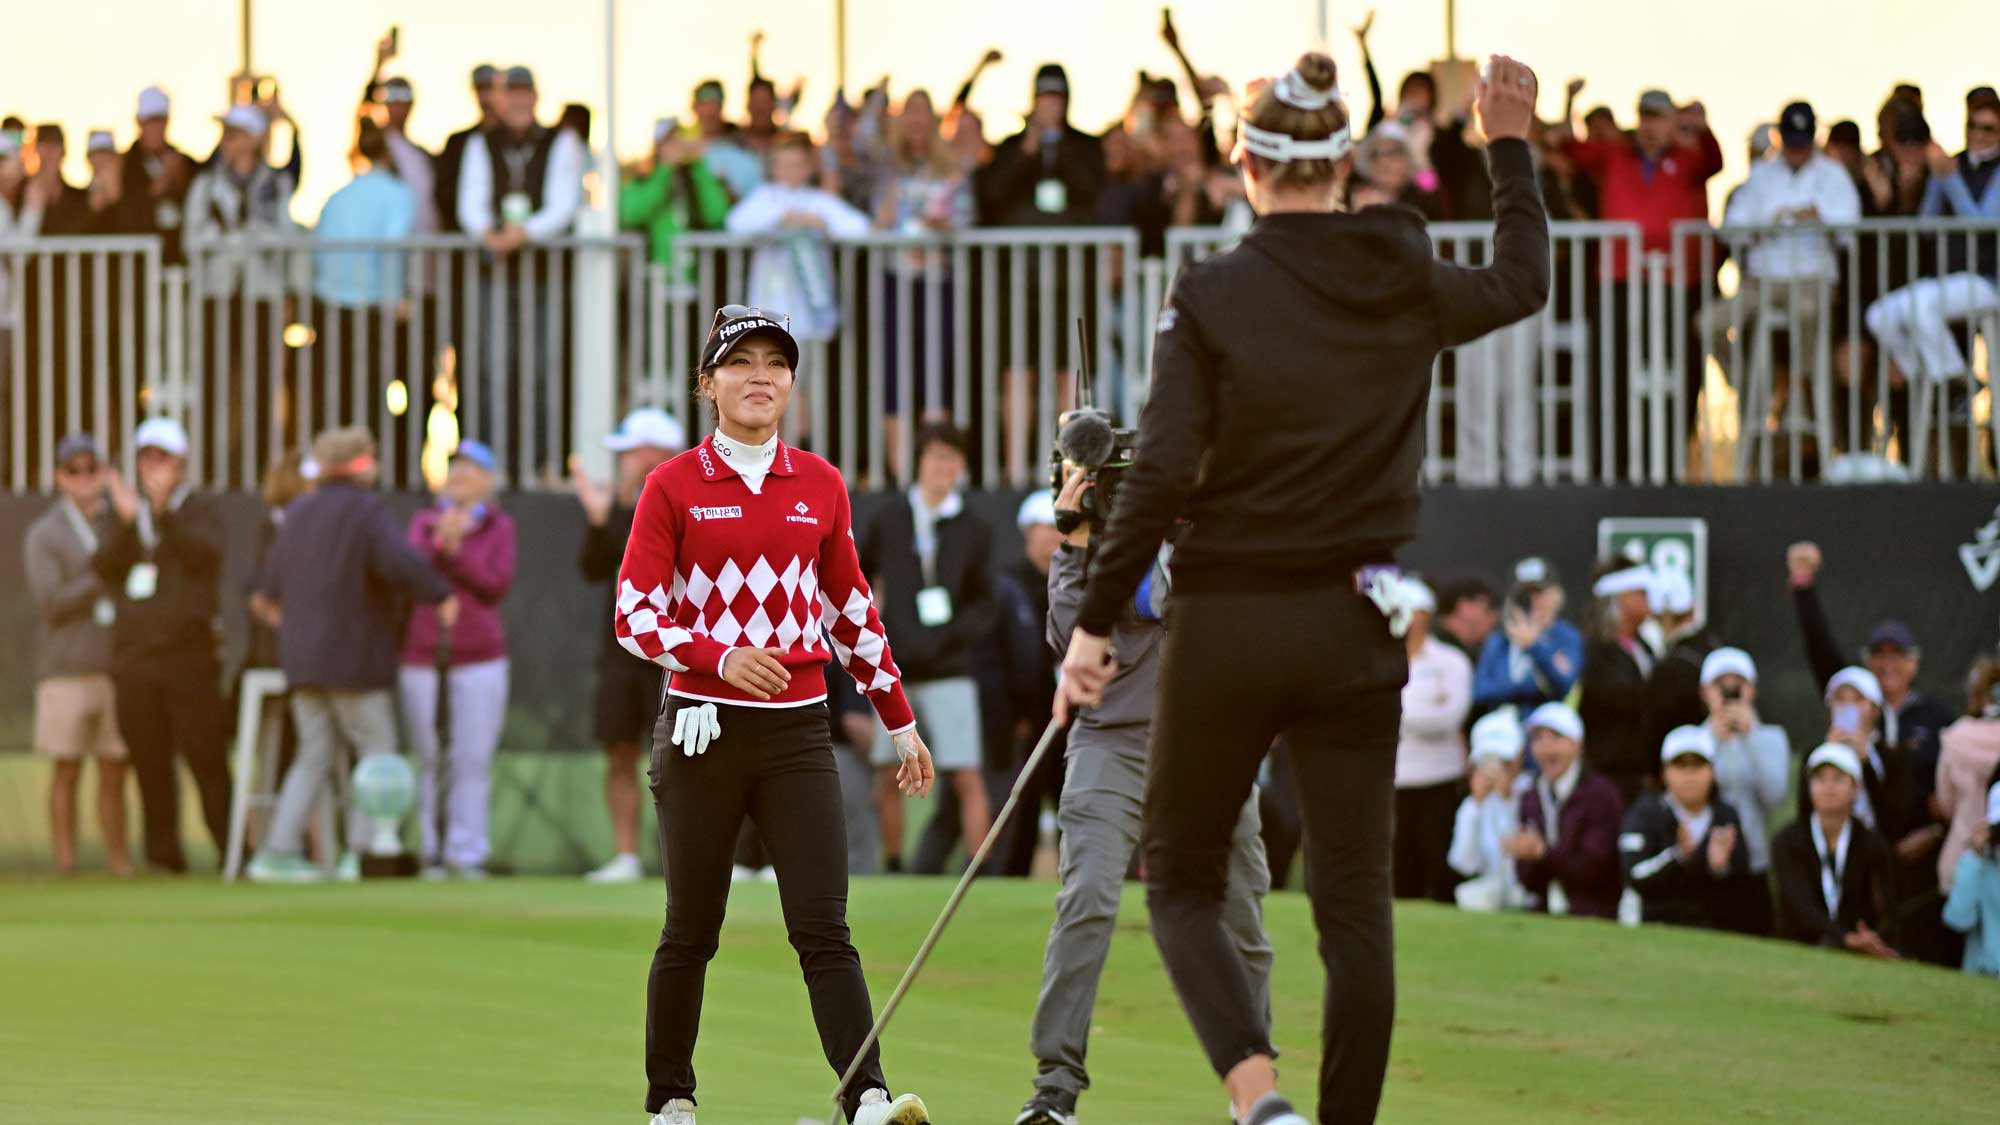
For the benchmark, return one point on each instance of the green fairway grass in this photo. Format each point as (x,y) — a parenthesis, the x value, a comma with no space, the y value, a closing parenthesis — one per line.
(522,1001)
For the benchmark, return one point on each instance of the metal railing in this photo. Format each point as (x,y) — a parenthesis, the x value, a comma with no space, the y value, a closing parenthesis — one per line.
(80,345)
(1854,352)
(978,328)
(1729,366)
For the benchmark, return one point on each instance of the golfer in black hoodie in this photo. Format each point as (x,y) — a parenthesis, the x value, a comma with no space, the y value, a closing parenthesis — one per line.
(1285,422)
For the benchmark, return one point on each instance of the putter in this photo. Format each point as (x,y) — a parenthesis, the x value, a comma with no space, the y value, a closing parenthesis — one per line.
(944,919)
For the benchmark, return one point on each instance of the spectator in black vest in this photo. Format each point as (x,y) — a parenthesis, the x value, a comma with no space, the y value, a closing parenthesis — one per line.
(156,179)
(929,561)
(520,185)
(451,161)
(1834,873)
(519,182)
(1616,664)
(1682,849)
(162,563)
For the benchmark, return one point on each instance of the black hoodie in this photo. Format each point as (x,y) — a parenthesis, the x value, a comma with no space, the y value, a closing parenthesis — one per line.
(1290,382)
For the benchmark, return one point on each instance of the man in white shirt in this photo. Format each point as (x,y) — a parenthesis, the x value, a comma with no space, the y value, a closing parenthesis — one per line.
(520,183)
(1793,272)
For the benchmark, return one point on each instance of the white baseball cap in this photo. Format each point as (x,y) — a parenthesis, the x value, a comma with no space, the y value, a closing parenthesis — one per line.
(1632,578)
(1688,740)
(153,103)
(1497,736)
(101,140)
(1838,756)
(1038,509)
(163,434)
(1728,662)
(1559,718)
(248,118)
(1860,679)
(1671,592)
(645,426)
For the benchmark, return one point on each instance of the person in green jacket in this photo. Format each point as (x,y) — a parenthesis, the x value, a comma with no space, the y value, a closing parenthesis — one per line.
(678,194)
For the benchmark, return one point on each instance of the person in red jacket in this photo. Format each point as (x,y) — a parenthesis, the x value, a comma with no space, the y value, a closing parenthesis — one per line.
(1656,177)
(742,552)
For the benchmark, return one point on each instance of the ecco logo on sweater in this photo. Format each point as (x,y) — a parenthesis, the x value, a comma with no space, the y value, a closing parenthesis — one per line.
(732,512)
(802,517)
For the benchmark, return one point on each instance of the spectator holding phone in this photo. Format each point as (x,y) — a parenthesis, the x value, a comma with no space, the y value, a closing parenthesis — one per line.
(1833,871)
(1682,850)
(1535,657)
(1566,852)
(1752,761)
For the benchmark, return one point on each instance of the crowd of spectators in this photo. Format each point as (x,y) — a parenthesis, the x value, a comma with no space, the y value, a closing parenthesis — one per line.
(894,161)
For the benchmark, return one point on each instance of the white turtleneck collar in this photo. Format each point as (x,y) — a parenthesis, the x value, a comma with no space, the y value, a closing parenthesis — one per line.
(751,462)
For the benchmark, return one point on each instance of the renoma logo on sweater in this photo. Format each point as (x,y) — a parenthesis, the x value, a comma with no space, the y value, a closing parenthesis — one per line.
(802,517)
(732,512)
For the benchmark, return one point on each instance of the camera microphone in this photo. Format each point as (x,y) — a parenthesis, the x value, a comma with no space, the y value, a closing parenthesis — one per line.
(1086,439)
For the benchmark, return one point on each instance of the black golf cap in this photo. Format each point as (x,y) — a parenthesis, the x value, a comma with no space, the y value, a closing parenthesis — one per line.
(736,323)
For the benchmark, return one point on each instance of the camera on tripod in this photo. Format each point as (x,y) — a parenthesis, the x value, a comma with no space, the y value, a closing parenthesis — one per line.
(1086,439)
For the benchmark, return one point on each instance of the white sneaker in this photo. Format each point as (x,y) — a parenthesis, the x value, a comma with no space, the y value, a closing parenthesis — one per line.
(768,875)
(742,874)
(623,868)
(349,870)
(680,1111)
(268,867)
(877,1109)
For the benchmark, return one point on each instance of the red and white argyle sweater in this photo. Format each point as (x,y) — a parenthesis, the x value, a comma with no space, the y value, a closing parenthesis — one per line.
(712,567)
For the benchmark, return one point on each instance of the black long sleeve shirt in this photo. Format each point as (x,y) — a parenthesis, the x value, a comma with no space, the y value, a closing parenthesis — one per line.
(1290,381)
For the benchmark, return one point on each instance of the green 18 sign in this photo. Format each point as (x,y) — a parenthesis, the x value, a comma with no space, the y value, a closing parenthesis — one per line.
(1665,545)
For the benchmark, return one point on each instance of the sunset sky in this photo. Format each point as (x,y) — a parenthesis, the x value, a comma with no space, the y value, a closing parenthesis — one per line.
(1745,58)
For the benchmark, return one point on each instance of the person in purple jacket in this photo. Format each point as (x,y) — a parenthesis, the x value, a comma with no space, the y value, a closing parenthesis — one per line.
(471,542)
(1566,853)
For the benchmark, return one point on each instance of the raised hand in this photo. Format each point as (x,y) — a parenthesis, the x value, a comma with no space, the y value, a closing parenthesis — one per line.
(1507,99)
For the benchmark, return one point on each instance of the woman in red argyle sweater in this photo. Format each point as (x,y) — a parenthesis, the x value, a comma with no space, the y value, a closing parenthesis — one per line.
(740,554)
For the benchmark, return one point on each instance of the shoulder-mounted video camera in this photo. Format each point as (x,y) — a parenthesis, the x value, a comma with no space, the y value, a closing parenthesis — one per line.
(1088,438)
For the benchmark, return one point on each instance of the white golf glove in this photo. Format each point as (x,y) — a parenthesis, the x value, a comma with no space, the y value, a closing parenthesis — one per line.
(695,728)
(906,746)
(1387,591)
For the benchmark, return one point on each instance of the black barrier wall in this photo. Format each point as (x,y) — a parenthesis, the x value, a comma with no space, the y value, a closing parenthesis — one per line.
(1915,552)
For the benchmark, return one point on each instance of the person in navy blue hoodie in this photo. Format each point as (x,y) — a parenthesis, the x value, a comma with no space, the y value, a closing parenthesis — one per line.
(339,576)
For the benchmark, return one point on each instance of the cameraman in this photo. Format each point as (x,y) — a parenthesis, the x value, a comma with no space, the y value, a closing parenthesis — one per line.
(1100,815)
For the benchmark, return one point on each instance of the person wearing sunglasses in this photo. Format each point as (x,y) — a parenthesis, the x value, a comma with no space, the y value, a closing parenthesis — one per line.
(741,579)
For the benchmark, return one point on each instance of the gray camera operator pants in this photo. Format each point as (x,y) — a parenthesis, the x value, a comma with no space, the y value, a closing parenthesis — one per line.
(1101,814)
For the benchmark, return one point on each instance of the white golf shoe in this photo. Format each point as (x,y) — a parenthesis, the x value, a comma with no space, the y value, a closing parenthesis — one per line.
(679,1111)
(622,869)
(877,1109)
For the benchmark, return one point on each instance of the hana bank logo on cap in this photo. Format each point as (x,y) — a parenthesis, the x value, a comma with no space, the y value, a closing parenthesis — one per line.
(732,512)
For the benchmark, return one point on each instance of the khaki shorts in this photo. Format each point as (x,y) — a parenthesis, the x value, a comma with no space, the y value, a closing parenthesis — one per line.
(948,718)
(74,716)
